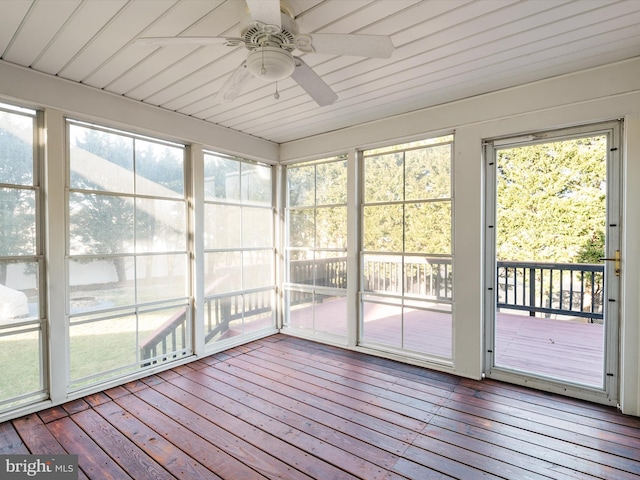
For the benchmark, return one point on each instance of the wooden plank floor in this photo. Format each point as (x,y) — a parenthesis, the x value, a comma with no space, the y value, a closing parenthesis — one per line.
(288,408)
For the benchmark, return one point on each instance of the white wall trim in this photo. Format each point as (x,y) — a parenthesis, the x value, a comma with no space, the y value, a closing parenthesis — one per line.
(630,314)
(39,90)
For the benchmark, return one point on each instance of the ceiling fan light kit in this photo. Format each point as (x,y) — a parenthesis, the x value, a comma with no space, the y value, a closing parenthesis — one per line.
(270,63)
(270,33)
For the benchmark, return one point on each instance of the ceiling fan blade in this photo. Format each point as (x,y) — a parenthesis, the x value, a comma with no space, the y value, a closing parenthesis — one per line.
(374,46)
(311,82)
(265,11)
(165,41)
(234,84)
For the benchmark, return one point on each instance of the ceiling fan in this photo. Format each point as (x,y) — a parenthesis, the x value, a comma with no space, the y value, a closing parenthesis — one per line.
(270,34)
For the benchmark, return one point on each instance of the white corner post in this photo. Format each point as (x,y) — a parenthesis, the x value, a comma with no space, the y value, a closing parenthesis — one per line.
(195,164)
(353,247)
(54,183)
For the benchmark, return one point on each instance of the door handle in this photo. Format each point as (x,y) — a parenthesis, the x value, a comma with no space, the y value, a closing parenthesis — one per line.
(615,259)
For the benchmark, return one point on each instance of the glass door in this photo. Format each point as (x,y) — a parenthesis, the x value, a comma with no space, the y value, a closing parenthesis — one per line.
(553,263)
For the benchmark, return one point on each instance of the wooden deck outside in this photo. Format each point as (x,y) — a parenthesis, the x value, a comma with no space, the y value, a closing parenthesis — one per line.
(570,351)
(288,408)
(565,350)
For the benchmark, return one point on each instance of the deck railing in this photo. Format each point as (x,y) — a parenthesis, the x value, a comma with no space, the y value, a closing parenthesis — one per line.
(326,272)
(573,289)
(222,309)
(426,276)
(430,277)
(167,342)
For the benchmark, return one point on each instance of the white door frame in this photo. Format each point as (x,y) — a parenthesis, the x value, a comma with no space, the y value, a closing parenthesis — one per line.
(610,392)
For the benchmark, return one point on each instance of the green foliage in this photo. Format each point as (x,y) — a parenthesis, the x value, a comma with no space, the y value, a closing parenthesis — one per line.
(551,197)
(17,201)
(592,250)
(219,173)
(16,154)
(317,204)
(162,166)
(106,169)
(100,224)
(407,196)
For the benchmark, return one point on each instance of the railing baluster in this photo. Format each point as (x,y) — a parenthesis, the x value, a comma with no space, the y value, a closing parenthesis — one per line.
(560,298)
(540,287)
(506,285)
(582,292)
(593,283)
(430,288)
(532,291)
(571,291)
(550,288)
(447,287)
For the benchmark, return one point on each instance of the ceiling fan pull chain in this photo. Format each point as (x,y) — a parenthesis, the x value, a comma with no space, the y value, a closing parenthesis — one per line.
(263,71)
(276,95)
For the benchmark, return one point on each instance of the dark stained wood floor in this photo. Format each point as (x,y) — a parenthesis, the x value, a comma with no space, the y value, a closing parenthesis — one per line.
(287,408)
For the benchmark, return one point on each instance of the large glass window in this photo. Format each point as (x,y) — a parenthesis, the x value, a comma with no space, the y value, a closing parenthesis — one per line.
(407,248)
(128,267)
(22,352)
(239,248)
(316,249)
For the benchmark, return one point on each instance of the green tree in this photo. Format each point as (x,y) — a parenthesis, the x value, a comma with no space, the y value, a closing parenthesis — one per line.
(17,205)
(105,165)
(317,194)
(551,197)
(408,201)
(161,166)
(101,224)
(592,250)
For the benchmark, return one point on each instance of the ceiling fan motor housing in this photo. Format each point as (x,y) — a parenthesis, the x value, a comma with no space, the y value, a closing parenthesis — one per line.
(251,30)
(270,47)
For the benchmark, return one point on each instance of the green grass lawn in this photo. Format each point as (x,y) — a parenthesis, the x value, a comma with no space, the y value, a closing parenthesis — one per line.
(103,349)
(20,359)
(19,365)
(90,354)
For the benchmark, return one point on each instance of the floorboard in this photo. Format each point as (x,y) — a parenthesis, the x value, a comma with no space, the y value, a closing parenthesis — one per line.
(287,408)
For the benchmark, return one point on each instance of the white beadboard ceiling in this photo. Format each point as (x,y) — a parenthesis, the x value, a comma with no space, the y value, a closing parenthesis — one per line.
(445,50)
